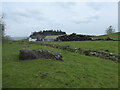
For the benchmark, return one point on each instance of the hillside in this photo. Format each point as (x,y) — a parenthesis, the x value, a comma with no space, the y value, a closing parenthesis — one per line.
(111,46)
(113,36)
(76,71)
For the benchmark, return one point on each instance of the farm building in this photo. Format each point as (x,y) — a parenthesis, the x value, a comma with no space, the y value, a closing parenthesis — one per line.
(45,35)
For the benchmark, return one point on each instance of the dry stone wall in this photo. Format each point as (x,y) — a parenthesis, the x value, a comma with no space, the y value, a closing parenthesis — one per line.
(101,54)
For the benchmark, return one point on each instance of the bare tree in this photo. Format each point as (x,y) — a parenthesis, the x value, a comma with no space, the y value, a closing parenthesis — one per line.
(2,29)
(2,26)
(110,30)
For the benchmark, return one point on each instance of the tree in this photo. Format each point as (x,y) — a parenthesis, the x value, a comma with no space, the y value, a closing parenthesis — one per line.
(2,27)
(110,30)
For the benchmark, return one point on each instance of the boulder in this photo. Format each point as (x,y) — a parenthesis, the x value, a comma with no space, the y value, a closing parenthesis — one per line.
(38,54)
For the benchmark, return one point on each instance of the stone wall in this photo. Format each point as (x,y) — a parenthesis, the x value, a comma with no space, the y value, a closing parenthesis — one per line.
(73,37)
(101,54)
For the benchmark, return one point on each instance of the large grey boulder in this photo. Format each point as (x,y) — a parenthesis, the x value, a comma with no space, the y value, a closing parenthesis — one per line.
(38,54)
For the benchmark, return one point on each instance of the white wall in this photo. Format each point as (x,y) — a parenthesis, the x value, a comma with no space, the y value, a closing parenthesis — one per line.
(30,39)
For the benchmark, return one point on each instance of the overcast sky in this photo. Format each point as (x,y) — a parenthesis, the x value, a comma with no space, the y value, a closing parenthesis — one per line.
(80,17)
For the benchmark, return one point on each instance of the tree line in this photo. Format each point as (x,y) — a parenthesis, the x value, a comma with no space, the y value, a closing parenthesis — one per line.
(49,32)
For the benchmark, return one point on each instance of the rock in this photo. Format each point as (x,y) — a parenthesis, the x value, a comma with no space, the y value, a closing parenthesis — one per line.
(38,54)
(111,54)
(43,75)
(87,53)
(108,38)
(107,50)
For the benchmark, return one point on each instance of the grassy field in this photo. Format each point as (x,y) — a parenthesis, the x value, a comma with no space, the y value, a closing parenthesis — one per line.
(76,71)
(111,46)
(113,36)
(0,64)
(52,36)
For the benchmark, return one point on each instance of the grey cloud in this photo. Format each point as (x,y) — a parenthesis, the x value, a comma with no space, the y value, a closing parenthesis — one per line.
(21,14)
(94,17)
(28,13)
(32,17)
(24,14)
(87,19)
(0,10)
(66,5)
(95,6)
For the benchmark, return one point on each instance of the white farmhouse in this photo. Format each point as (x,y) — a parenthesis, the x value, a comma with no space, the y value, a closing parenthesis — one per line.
(30,39)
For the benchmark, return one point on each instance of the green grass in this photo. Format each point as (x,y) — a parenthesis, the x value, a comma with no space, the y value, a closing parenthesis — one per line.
(52,37)
(0,64)
(112,46)
(113,36)
(76,71)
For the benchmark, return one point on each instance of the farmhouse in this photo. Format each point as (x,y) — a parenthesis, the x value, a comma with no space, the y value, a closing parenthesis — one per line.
(30,39)
(48,35)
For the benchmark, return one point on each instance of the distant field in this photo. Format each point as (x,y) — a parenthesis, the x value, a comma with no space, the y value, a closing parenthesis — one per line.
(18,38)
(52,37)
(76,71)
(112,46)
(113,36)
